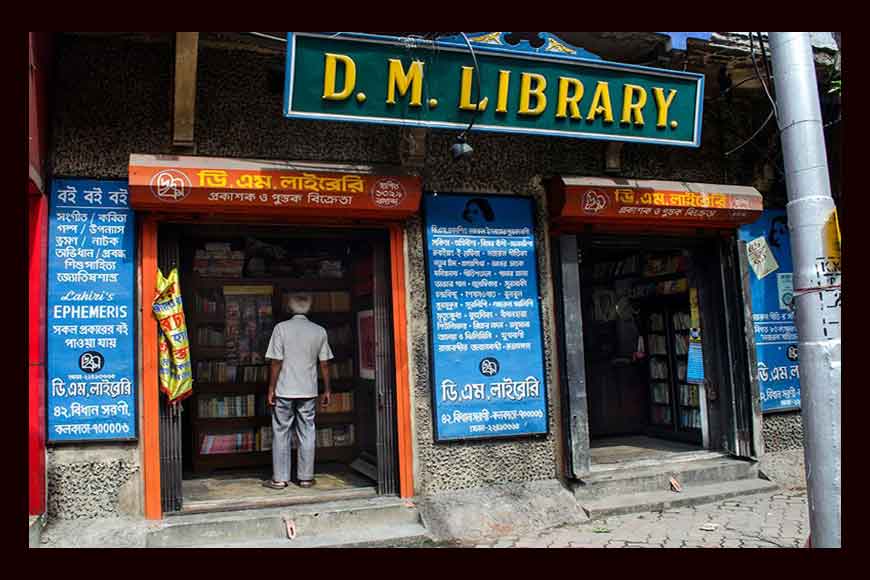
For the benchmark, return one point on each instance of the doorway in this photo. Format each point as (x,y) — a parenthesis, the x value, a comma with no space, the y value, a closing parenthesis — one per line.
(236,280)
(636,324)
(629,386)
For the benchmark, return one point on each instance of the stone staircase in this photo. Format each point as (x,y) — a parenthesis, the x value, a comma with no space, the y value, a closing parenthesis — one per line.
(330,524)
(703,477)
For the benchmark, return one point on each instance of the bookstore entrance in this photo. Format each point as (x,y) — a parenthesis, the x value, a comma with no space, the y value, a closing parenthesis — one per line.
(639,301)
(246,239)
(655,353)
(236,282)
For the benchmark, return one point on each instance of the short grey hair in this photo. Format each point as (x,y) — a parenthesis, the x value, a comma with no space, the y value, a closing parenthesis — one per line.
(300,303)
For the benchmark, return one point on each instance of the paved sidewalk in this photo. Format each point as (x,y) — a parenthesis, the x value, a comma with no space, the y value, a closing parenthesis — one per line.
(771,520)
(777,520)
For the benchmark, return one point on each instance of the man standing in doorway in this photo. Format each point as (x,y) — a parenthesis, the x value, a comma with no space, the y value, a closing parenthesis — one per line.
(296,349)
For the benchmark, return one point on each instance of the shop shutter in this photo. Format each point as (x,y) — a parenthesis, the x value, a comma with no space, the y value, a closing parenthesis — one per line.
(385,375)
(168,257)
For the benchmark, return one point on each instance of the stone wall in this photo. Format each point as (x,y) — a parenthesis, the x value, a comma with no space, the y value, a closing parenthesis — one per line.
(783,431)
(113,99)
(89,482)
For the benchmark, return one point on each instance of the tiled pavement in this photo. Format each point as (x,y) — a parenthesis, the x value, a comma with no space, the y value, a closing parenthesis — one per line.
(777,520)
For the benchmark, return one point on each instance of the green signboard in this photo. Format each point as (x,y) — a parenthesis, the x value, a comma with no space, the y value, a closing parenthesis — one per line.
(389,80)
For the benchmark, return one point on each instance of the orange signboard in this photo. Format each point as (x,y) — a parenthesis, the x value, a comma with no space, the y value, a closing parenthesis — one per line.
(266,188)
(673,203)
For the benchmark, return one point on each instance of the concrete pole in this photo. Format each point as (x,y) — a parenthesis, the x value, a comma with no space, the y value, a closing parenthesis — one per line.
(817,272)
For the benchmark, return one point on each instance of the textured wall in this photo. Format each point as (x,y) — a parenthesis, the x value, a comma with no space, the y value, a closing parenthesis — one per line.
(113,99)
(783,431)
(90,482)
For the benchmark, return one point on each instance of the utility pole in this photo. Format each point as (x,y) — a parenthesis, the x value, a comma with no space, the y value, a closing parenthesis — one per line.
(817,274)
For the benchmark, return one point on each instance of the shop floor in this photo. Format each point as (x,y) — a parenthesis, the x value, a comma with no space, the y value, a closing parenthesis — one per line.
(244,489)
(610,450)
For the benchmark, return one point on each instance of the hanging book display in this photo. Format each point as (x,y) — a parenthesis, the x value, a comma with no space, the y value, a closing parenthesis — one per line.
(175,372)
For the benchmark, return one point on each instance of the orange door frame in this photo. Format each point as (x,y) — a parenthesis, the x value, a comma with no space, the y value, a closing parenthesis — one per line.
(150,393)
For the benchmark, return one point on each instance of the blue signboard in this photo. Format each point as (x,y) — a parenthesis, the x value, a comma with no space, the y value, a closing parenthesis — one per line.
(769,256)
(90,324)
(487,354)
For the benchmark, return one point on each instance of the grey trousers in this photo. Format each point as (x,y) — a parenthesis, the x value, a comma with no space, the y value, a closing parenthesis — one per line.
(285,414)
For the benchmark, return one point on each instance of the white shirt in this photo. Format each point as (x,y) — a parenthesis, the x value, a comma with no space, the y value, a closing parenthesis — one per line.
(299,343)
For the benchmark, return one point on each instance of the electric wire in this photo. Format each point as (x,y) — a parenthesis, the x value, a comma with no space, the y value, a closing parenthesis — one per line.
(477,74)
(760,78)
(754,135)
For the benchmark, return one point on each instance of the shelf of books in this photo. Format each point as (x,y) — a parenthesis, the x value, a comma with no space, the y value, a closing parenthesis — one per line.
(236,300)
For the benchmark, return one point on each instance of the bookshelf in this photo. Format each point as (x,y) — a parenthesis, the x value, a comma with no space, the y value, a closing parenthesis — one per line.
(230,315)
(674,405)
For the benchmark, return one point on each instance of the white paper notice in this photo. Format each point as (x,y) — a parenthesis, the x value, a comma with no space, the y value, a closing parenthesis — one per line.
(761,258)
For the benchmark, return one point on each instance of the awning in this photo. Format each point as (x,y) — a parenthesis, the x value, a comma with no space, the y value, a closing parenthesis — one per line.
(170,183)
(663,203)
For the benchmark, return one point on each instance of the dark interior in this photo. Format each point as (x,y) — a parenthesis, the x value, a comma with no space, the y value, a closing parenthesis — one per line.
(636,325)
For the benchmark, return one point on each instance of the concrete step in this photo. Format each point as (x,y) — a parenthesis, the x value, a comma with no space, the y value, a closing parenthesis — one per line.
(34,526)
(656,477)
(661,500)
(356,538)
(350,517)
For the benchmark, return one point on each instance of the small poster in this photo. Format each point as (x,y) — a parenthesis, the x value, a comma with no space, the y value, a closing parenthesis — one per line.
(366,329)
(761,258)
(695,365)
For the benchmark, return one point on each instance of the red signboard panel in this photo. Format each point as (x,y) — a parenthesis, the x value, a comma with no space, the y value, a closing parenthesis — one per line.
(664,203)
(247,188)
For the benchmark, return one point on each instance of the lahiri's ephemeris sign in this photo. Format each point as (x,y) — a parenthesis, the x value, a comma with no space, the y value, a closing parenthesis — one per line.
(381,79)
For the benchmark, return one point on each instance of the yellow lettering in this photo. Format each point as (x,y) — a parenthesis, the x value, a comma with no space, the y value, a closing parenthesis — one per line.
(399,79)
(329,92)
(465,93)
(565,101)
(504,77)
(630,108)
(526,92)
(663,105)
(601,103)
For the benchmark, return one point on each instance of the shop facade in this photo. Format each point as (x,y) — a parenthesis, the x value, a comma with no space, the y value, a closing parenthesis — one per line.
(117,124)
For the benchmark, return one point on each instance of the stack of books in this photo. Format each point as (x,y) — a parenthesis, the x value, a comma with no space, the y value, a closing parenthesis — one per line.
(660,265)
(660,393)
(218,260)
(206,336)
(215,444)
(661,415)
(215,372)
(682,321)
(339,403)
(658,369)
(226,406)
(264,438)
(255,374)
(341,370)
(689,395)
(340,436)
(690,418)
(208,304)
